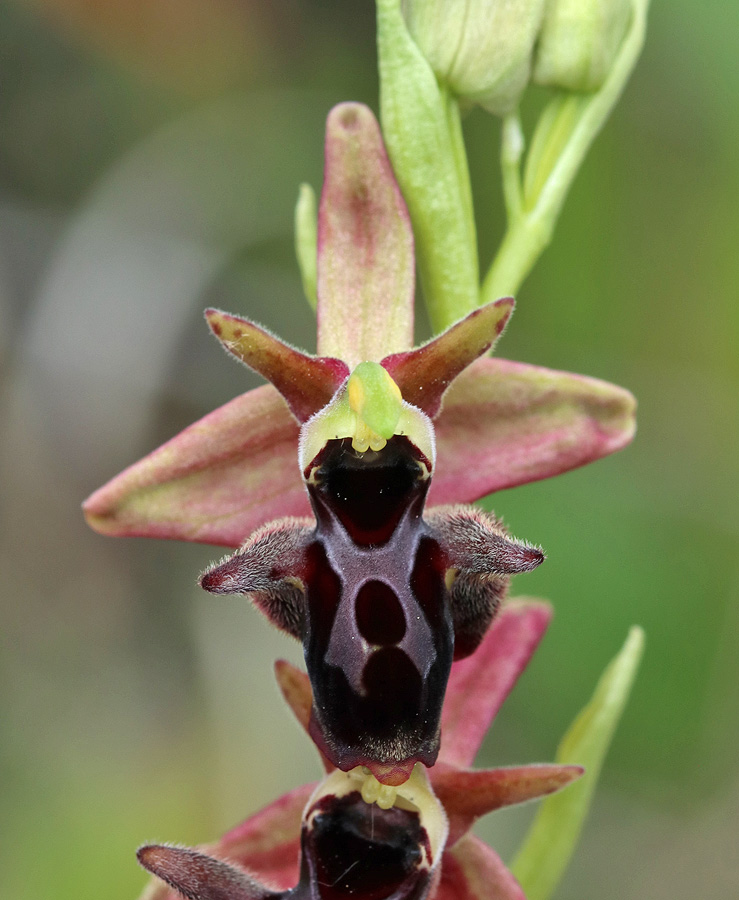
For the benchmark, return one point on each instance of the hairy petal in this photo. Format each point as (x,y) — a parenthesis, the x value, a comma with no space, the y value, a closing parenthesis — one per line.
(306,382)
(481,558)
(365,245)
(505,423)
(198,876)
(479,684)
(268,568)
(472,871)
(424,373)
(215,482)
(477,542)
(468,794)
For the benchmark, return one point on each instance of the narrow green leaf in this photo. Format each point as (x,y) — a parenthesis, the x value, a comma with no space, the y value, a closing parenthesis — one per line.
(567,131)
(306,241)
(551,841)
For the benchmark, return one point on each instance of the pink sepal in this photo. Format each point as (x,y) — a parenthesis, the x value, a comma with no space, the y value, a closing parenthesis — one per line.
(472,871)
(467,794)
(215,482)
(480,683)
(505,423)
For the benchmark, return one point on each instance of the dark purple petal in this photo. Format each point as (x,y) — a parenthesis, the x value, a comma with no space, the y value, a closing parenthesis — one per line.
(365,245)
(352,847)
(424,373)
(479,684)
(306,382)
(378,641)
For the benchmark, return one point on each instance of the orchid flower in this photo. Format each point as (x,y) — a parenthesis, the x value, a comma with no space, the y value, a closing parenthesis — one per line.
(382,597)
(351,836)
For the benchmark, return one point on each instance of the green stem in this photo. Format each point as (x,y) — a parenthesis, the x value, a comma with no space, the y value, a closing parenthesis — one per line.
(454,124)
(519,250)
(511,151)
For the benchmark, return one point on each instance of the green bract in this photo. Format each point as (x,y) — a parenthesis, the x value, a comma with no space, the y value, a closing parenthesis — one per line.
(423,133)
(547,850)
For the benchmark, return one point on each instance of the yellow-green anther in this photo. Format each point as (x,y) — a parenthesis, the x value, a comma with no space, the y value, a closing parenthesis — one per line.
(375,398)
(368,409)
(306,241)
(481,49)
(579,41)
(371,788)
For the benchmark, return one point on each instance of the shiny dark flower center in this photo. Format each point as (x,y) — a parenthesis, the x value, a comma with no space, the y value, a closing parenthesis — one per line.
(356,850)
(379,638)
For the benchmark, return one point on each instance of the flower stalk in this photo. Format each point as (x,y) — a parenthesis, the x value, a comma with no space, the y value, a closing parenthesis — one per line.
(343,486)
(567,128)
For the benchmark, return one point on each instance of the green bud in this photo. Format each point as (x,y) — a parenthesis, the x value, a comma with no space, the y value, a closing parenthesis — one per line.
(579,41)
(480,48)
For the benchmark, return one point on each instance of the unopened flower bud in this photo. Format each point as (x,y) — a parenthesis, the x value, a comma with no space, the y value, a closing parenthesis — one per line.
(480,48)
(579,41)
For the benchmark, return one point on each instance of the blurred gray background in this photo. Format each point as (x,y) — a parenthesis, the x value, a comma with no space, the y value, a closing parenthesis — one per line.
(150,156)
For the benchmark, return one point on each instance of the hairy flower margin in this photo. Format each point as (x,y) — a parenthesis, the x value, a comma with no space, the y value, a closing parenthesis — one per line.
(326,840)
(370,414)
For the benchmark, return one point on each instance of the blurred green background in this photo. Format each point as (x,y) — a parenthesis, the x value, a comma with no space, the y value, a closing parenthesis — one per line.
(150,156)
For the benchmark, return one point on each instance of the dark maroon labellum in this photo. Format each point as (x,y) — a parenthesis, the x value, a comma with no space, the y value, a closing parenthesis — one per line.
(378,631)
(381,598)
(352,849)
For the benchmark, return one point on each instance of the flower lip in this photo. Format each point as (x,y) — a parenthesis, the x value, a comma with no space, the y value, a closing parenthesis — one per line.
(414,796)
(379,677)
